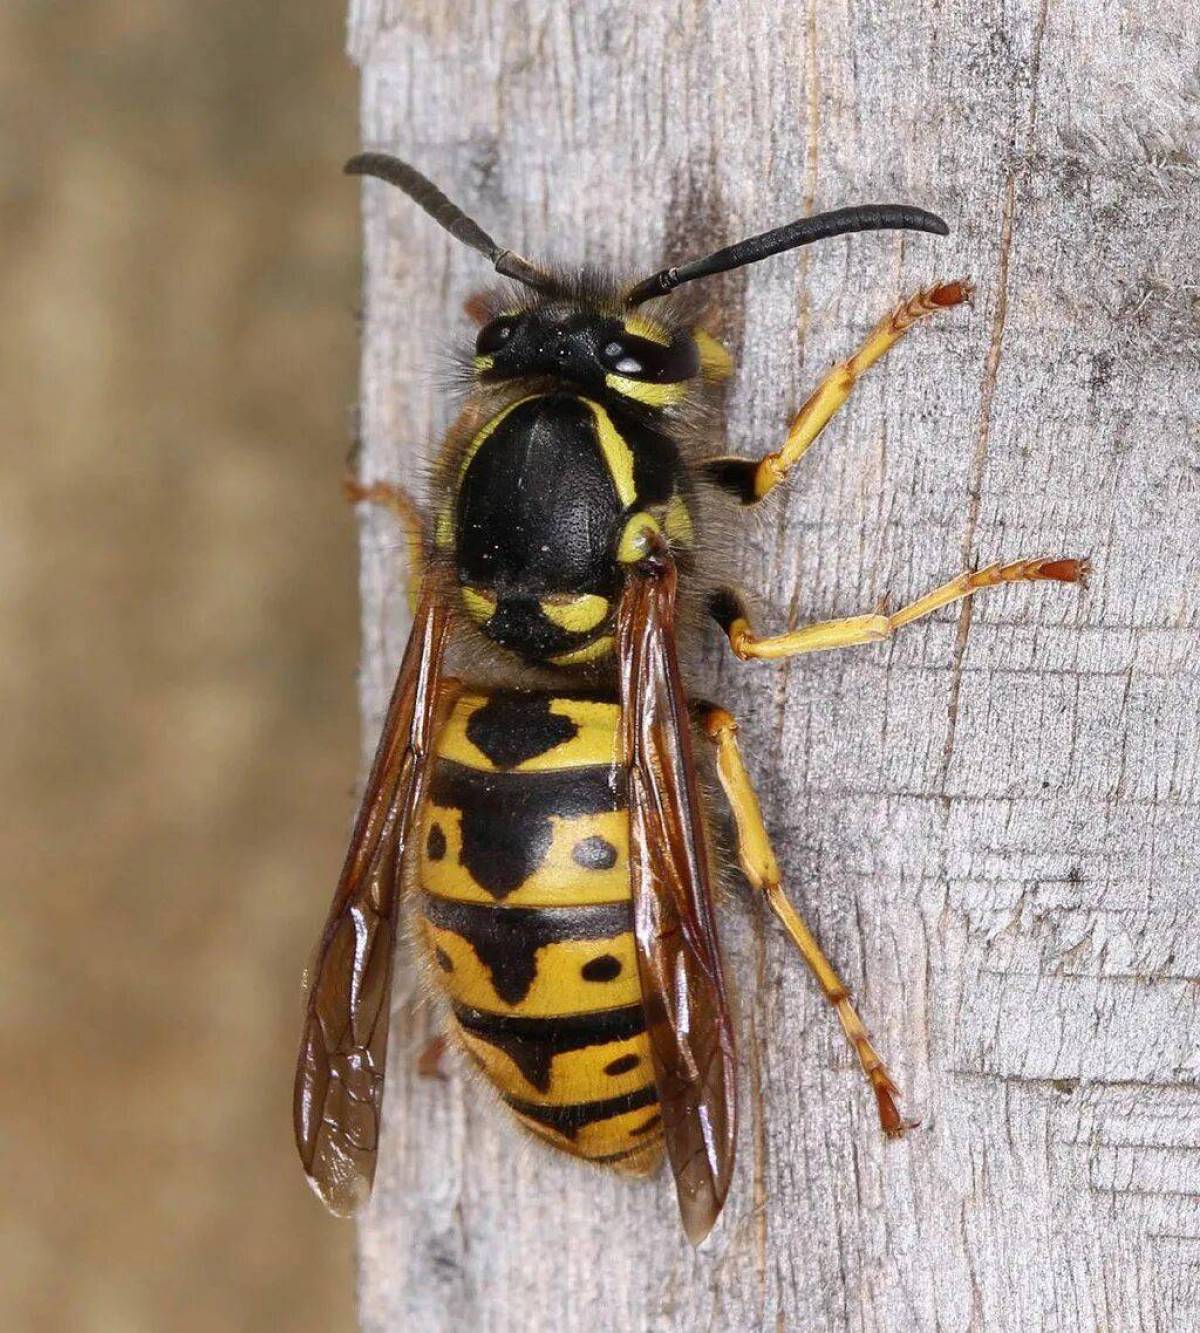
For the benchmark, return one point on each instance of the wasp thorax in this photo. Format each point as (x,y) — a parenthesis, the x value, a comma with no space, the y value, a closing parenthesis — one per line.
(549,493)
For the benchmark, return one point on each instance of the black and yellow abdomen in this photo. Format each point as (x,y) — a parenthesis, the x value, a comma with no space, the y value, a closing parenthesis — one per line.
(526,907)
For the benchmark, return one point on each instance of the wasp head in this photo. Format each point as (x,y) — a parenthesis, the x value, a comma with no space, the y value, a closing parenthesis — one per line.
(595,351)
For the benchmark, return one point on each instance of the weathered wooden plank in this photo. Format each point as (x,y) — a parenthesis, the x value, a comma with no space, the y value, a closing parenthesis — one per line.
(991,820)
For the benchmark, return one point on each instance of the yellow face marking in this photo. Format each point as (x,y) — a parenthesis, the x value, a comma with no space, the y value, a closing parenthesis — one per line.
(617,453)
(481,605)
(577,614)
(590,652)
(635,544)
(482,363)
(715,361)
(653,395)
(641,327)
(678,522)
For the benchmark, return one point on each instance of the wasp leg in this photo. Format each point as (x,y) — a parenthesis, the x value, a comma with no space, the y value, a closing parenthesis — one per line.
(398,502)
(760,867)
(730,613)
(751,479)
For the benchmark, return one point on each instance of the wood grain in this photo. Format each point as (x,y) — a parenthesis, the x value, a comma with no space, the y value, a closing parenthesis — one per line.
(991,820)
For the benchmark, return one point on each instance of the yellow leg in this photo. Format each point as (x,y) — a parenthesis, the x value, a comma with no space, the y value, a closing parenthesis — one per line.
(762,870)
(398,501)
(730,614)
(751,480)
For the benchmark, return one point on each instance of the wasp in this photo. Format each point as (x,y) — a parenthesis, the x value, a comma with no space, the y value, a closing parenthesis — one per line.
(544,810)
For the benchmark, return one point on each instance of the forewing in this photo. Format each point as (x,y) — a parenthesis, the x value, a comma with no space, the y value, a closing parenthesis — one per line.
(687,1012)
(339,1075)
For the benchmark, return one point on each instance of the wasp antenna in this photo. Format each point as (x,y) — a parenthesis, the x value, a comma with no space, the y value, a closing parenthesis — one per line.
(838,222)
(421,190)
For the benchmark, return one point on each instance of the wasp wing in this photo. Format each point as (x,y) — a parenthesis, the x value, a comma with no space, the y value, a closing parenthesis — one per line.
(339,1075)
(687,1013)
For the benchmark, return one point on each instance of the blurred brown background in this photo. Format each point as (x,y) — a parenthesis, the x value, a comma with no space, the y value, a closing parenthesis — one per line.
(178,260)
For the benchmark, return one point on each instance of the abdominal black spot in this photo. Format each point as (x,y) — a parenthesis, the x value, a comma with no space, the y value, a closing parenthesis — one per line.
(513,727)
(646,1126)
(594,853)
(622,1065)
(435,844)
(444,960)
(603,968)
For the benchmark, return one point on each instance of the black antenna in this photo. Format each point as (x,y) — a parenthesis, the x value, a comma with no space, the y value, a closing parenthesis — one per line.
(421,190)
(863,217)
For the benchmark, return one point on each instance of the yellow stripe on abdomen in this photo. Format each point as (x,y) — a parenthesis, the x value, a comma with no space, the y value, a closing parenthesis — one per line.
(586,861)
(534,960)
(560,1061)
(508,733)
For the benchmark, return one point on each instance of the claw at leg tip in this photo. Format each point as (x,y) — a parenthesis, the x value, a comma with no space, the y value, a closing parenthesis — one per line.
(961,291)
(887,1096)
(901,1128)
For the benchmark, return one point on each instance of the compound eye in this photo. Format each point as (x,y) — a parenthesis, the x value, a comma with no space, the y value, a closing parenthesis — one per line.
(619,356)
(493,336)
(652,362)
